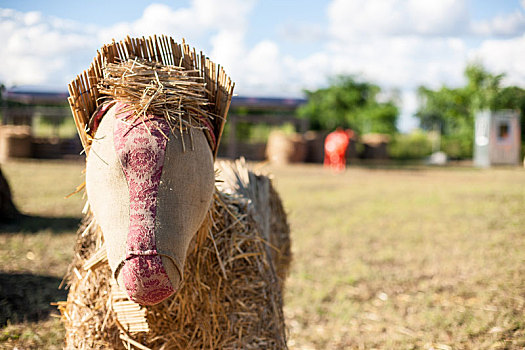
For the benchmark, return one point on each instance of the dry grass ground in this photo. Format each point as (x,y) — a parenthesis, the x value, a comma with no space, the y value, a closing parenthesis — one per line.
(416,258)
(401,259)
(35,252)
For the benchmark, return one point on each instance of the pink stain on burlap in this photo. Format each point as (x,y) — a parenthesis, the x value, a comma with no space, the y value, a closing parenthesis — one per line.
(141,148)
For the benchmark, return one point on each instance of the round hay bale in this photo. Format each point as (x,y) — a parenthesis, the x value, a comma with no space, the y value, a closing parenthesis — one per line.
(375,146)
(15,141)
(46,147)
(284,149)
(315,146)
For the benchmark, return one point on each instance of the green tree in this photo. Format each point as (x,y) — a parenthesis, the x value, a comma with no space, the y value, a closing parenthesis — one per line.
(415,145)
(452,110)
(482,87)
(349,103)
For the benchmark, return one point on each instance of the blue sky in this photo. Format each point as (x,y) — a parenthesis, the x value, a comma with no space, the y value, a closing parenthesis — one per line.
(278,48)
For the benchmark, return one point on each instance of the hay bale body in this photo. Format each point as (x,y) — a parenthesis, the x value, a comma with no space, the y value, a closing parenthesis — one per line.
(53,148)
(232,293)
(315,146)
(265,206)
(375,146)
(15,142)
(284,149)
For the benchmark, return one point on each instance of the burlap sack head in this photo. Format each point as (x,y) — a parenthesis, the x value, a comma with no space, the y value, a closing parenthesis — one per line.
(148,192)
(149,197)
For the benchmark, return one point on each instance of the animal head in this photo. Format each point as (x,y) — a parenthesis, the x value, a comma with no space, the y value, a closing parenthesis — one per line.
(150,152)
(149,197)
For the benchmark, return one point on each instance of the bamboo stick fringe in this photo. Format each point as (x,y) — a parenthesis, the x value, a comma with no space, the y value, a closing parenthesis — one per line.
(86,94)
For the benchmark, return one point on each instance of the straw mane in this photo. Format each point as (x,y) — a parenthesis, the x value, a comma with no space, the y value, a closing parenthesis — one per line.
(204,86)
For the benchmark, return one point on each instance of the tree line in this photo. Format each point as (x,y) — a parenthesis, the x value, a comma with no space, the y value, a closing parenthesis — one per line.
(349,102)
(452,110)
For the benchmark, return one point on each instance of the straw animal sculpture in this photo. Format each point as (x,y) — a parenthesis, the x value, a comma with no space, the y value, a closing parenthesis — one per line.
(231,295)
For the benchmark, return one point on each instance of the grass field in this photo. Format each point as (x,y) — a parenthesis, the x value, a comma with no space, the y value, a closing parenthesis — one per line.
(401,258)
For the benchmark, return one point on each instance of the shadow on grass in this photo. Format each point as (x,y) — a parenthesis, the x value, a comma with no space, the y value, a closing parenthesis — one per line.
(33,224)
(27,297)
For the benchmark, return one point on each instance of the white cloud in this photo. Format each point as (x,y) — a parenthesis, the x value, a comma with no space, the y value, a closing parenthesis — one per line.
(503,56)
(201,18)
(303,33)
(399,43)
(258,71)
(408,43)
(402,61)
(501,25)
(310,72)
(354,19)
(445,17)
(264,64)
(392,62)
(357,18)
(157,18)
(228,50)
(39,50)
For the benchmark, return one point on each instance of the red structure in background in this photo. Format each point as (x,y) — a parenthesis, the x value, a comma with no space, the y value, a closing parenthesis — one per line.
(335,146)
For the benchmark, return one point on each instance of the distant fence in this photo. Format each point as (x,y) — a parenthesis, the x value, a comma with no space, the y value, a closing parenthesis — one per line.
(53,146)
(24,115)
(15,142)
(233,148)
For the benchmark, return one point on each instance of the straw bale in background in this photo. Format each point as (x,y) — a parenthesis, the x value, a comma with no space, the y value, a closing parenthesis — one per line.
(15,142)
(284,149)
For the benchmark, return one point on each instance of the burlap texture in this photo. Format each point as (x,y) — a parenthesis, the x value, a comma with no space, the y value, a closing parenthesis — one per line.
(185,193)
(107,191)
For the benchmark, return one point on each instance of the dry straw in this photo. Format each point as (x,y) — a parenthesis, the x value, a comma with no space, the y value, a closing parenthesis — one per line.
(150,72)
(177,94)
(231,297)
